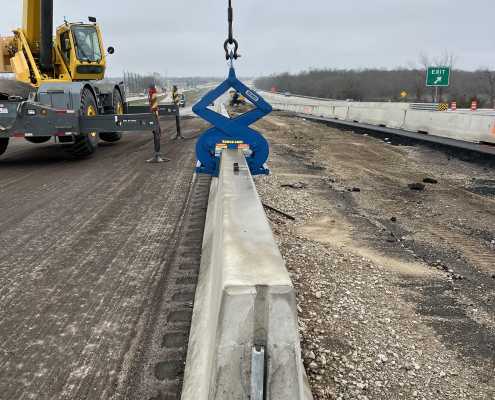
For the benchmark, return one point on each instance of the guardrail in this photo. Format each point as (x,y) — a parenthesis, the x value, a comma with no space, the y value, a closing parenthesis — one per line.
(424,106)
(244,341)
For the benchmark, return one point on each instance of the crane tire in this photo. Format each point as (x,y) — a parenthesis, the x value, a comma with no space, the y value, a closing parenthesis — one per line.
(86,145)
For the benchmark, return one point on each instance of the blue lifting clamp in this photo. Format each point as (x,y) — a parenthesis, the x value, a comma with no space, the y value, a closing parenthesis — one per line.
(232,133)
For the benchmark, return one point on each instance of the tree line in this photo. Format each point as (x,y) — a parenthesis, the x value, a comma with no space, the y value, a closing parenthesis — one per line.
(385,85)
(137,83)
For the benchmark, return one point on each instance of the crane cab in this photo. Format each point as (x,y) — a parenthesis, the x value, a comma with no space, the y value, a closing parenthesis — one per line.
(80,52)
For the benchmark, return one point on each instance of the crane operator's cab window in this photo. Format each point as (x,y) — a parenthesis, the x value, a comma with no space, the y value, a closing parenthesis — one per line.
(87,43)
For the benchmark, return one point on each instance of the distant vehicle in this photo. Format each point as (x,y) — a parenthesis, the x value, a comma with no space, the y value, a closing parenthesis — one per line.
(287,94)
(182,101)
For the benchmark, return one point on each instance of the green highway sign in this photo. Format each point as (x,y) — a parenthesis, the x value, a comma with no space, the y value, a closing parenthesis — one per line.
(438,76)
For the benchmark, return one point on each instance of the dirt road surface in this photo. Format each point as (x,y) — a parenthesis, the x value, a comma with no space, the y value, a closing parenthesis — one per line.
(85,250)
(396,287)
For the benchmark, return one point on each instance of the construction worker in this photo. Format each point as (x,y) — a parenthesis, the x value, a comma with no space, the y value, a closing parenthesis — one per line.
(175,95)
(157,133)
(235,99)
(153,99)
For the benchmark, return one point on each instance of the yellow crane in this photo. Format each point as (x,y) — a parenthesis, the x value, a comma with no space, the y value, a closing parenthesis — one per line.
(75,54)
(64,71)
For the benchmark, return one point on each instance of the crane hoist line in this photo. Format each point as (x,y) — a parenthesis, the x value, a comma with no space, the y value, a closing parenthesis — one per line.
(58,88)
(232,133)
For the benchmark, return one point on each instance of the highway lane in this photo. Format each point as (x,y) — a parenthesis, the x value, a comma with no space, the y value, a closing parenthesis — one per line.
(85,247)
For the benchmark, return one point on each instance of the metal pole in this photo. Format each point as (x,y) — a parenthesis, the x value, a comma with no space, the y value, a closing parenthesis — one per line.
(177,123)
(258,373)
(157,134)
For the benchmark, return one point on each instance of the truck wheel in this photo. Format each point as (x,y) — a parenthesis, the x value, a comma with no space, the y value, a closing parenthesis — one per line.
(85,145)
(118,108)
(4,143)
(38,139)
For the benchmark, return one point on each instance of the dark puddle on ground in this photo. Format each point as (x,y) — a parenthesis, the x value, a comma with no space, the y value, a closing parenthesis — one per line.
(483,187)
(483,190)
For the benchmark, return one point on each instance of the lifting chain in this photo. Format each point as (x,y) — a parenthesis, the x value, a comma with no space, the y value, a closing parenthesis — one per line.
(231,53)
(232,133)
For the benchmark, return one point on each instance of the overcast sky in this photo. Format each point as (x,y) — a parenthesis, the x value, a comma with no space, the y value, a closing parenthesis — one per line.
(185,37)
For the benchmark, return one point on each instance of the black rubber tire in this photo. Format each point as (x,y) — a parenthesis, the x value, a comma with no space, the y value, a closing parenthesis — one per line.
(4,143)
(85,145)
(113,137)
(38,139)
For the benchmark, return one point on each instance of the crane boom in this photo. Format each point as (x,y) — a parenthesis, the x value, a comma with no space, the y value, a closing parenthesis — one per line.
(31,22)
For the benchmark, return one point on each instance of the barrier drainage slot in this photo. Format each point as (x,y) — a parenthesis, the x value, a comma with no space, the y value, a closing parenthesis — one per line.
(258,373)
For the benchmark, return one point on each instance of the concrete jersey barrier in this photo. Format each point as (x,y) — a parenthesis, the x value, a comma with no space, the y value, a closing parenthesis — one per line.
(244,300)
(461,125)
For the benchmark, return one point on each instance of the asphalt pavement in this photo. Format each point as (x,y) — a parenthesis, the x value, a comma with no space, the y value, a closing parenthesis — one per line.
(85,246)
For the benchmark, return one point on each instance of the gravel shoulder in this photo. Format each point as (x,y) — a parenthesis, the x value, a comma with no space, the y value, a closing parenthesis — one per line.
(83,247)
(396,287)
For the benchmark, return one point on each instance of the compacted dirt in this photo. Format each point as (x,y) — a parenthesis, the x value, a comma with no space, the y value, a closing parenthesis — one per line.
(86,252)
(392,252)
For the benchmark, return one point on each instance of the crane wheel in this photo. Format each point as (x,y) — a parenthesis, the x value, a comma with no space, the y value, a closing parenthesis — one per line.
(118,108)
(4,143)
(85,145)
(38,139)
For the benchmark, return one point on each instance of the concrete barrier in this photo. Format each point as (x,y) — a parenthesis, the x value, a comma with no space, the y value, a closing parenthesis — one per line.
(458,126)
(341,112)
(475,127)
(245,317)
(384,114)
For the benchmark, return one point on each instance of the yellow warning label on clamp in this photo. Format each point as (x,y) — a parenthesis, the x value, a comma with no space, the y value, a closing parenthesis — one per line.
(232,142)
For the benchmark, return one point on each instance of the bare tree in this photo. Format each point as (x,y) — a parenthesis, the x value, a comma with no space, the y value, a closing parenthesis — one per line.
(383,85)
(488,77)
(446,59)
(419,80)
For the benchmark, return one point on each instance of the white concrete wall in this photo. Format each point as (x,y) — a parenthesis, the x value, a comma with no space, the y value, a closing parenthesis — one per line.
(473,127)
(244,298)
